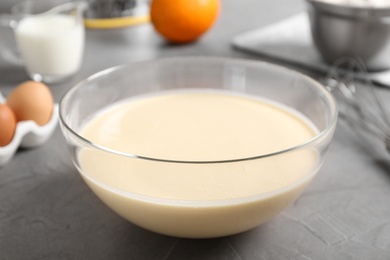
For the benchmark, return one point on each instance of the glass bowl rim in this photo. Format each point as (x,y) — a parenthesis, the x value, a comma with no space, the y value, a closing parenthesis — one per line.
(87,143)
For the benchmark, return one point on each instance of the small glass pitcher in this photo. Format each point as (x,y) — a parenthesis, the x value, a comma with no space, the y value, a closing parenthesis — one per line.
(49,35)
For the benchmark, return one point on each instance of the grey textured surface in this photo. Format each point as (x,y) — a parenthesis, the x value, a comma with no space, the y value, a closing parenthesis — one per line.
(47,212)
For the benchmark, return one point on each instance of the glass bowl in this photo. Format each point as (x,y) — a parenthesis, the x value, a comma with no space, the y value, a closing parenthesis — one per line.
(235,194)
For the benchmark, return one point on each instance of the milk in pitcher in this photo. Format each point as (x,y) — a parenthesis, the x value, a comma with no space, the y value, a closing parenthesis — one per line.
(51,45)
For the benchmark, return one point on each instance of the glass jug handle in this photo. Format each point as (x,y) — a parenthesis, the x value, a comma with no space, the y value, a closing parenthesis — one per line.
(8,47)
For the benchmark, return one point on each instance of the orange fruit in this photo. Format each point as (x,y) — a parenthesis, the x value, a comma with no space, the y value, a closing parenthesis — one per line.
(182,21)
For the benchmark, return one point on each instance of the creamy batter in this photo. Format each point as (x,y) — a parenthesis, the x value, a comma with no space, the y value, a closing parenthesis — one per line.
(191,199)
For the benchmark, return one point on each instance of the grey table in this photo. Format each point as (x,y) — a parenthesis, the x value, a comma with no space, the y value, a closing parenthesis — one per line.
(47,212)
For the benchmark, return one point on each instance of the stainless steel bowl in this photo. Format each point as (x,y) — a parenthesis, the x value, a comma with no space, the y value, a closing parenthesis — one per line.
(347,28)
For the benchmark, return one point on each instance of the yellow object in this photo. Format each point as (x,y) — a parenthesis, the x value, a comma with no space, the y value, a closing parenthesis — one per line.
(108,23)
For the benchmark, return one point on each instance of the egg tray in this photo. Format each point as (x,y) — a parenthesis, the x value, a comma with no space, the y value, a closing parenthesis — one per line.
(28,134)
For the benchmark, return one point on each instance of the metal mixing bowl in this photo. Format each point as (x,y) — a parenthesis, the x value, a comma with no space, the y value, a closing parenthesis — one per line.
(351,28)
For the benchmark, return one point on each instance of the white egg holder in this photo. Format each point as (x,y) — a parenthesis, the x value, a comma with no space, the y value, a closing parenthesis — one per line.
(28,134)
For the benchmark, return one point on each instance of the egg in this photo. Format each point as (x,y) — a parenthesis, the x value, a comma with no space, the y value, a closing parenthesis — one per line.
(7,125)
(31,100)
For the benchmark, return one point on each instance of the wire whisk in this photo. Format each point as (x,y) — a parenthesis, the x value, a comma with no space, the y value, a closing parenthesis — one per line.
(359,102)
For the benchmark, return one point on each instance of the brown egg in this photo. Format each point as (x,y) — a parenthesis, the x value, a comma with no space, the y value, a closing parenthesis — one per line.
(31,100)
(7,124)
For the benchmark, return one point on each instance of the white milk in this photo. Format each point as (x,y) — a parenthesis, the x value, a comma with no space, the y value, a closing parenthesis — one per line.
(198,200)
(51,45)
